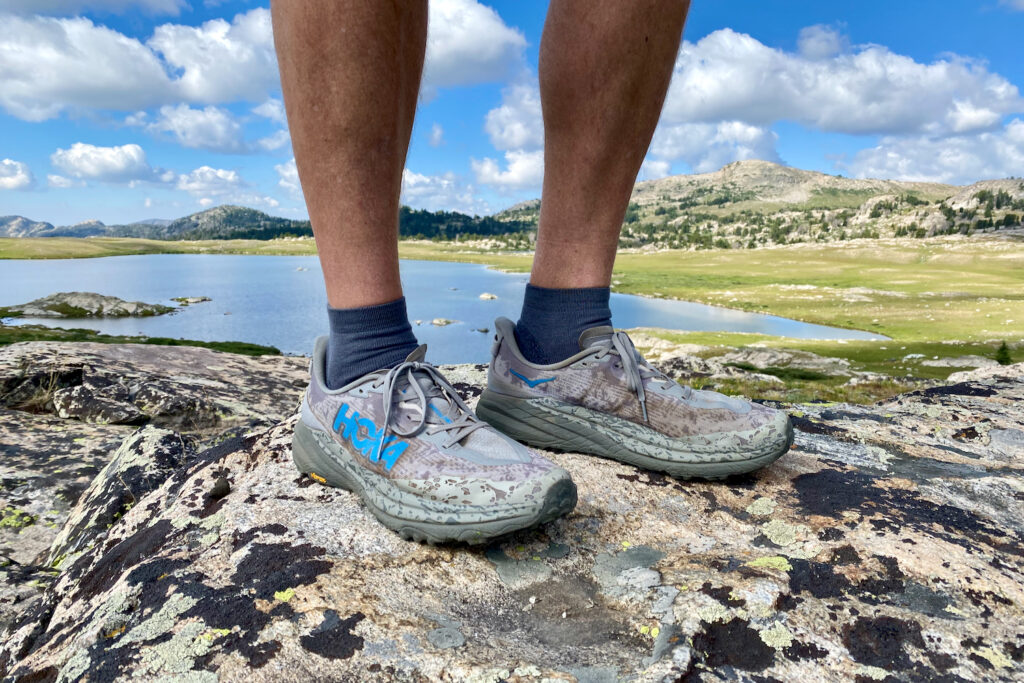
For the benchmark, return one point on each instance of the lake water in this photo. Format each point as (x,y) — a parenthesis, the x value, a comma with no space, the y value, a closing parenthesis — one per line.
(279,301)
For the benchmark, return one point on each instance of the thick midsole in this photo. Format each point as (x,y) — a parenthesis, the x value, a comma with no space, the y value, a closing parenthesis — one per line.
(315,453)
(547,423)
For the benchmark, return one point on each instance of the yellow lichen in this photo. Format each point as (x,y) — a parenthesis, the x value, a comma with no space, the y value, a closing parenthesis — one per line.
(995,658)
(778,636)
(316,477)
(285,595)
(772,562)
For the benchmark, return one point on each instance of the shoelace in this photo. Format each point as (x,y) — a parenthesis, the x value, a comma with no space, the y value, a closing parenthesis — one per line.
(635,368)
(463,426)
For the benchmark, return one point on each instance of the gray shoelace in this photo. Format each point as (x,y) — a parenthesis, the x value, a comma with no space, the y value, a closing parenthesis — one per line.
(635,368)
(460,428)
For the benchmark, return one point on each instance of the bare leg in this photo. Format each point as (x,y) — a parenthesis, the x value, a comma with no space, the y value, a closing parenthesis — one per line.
(350,73)
(604,71)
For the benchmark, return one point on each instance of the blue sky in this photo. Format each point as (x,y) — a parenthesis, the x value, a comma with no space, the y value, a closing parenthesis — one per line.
(122,110)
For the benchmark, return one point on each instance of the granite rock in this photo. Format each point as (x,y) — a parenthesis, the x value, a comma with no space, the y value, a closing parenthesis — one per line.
(887,545)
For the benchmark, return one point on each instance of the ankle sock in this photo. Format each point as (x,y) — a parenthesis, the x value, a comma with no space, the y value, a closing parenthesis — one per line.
(552,321)
(366,339)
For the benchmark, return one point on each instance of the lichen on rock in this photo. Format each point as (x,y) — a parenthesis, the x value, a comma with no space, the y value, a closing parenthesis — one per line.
(886,545)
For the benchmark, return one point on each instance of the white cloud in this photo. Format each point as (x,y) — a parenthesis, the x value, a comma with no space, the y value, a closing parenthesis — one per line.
(517,123)
(206,180)
(525,169)
(1013,4)
(14,175)
(220,61)
(125,163)
(957,159)
(272,109)
(652,169)
(59,181)
(212,128)
(729,76)
(436,138)
(709,146)
(821,42)
(441,192)
(274,141)
(469,43)
(218,185)
(69,7)
(288,178)
(49,65)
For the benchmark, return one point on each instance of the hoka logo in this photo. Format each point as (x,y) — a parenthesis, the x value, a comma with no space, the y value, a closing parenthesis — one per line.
(351,428)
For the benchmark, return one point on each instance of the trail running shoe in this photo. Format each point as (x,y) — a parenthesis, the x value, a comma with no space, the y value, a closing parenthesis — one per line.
(422,462)
(608,401)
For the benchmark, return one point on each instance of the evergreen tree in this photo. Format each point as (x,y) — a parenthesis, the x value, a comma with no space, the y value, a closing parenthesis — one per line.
(1003,354)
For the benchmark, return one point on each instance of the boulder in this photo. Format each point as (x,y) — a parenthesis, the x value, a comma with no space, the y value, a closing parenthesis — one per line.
(885,545)
(84,305)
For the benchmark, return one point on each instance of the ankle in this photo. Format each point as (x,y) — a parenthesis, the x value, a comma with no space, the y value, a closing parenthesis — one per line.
(552,321)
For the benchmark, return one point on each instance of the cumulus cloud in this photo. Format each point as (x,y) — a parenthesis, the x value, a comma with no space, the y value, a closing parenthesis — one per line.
(288,179)
(211,128)
(821,42)
(272,109)
(441,192)
(956,159)
(69,7)
(49,65)
(218,185)
(469,43)
(709,146)
(14,175)
(652,169)
(870,90)
(524,169)
(220,61)
(124,163)
(517,123)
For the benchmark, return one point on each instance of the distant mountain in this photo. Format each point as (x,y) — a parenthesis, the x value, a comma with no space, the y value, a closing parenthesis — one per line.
(237,222)
(745,204)
(758,203)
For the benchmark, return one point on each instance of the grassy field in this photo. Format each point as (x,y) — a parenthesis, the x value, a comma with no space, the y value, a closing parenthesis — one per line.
(10,334)
(941,297)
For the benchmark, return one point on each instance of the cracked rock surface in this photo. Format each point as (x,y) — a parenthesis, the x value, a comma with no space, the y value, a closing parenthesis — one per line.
(886,545)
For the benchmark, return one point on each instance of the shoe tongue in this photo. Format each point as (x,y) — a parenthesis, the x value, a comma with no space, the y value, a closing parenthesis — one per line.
(439,408)
(417,355)
(596,336)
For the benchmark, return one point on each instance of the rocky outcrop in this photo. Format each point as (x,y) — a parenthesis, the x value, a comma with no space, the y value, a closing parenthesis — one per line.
(84,305)
(887,545)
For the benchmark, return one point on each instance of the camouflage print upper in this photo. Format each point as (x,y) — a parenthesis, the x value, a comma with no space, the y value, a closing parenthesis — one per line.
(452,457)
(596,379)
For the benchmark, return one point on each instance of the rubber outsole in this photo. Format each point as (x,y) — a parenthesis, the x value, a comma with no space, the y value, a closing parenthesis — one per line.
(317,455)
(530,422)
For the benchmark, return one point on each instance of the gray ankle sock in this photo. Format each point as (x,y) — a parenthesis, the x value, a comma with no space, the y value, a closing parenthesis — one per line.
(552,321)
(366,339)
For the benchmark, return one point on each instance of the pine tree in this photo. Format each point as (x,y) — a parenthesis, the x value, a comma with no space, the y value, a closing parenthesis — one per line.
(1003,354)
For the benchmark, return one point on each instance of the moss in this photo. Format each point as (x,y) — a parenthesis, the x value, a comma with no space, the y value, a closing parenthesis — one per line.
(20,333)
(13,518)
(68,311)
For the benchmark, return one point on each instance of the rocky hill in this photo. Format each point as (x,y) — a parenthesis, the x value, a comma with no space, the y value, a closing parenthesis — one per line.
(154,527)
(749,204)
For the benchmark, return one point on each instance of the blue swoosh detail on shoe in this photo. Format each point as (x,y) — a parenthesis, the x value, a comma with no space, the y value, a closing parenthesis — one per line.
(532,382)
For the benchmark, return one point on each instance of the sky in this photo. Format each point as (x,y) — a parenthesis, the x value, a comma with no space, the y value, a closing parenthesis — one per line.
(125,110)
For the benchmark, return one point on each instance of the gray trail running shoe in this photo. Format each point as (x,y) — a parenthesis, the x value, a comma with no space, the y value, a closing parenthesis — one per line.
(608,401)
(422,462)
